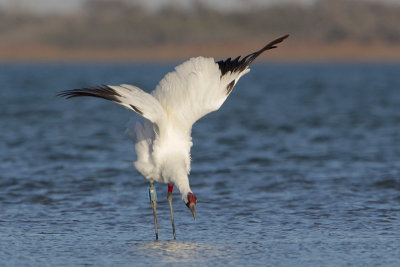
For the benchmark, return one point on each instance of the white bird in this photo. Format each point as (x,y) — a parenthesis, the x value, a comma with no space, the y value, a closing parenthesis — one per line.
(163,138)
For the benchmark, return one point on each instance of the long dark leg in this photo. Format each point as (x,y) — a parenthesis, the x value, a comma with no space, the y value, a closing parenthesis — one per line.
(153,200)
(169,196)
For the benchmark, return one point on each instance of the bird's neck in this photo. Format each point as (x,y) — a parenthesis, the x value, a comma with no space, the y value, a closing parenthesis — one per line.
(182,183)
(175,171)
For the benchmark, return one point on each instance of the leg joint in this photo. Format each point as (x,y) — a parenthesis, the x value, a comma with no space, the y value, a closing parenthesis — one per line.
(152,193)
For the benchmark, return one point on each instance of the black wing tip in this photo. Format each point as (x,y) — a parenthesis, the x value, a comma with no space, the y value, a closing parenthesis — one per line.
(273,44)
(240,65)
(280,39)
(270,45)
(101,91)
(67,94)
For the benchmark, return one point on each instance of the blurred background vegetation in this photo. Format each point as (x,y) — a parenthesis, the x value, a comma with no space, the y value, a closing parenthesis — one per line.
(122,29)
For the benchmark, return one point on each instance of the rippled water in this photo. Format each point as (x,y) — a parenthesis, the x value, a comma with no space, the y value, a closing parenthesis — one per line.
(301,166)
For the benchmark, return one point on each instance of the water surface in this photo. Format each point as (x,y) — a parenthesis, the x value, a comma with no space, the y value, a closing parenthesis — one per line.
(301,166)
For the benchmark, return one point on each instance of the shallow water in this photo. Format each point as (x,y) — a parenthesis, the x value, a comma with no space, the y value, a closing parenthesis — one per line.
(301,166)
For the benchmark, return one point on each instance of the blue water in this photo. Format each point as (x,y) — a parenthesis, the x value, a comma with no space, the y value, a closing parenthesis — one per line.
(300,167)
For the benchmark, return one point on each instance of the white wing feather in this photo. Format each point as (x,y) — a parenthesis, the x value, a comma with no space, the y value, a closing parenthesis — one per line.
(129,96)
(141,102)
(193,90)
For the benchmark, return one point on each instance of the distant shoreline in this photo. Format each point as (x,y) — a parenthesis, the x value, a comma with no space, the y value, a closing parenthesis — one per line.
(286,52)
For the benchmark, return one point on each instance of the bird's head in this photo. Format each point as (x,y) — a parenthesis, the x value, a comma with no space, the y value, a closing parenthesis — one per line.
(191,203)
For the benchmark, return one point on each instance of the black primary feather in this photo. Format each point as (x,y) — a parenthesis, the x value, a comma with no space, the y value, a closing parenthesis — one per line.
(102,91)
(230,87)
(136,110)
(239,65)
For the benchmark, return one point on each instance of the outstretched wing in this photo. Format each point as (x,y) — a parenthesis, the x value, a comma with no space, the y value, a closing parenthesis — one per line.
(240,65)
(127,95)
(201,85)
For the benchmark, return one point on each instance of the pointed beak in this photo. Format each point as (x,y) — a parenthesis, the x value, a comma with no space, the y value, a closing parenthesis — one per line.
(193,210)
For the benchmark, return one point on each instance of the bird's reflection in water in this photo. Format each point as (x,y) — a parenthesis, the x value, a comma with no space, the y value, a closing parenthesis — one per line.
(176,251)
